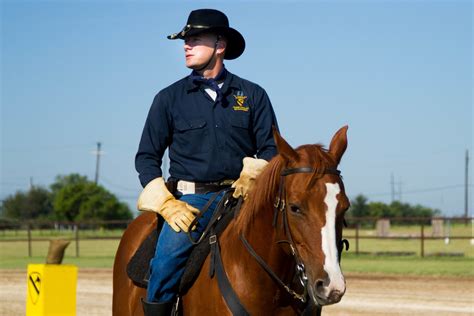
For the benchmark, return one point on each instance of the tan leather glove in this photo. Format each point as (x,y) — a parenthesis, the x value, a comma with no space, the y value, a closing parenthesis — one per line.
(155,197)
(252,168)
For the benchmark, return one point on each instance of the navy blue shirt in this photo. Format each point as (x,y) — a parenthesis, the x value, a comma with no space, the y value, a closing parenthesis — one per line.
(207,140)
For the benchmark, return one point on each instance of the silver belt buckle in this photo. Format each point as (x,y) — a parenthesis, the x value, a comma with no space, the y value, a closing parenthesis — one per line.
(226,182)
(186,187)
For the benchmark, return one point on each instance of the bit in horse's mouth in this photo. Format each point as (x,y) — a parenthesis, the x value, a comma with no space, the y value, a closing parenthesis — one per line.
(318,301)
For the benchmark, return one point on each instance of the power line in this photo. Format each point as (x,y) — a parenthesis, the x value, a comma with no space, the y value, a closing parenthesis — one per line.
(9,183)
(392,186)
(43,148)
(434,189)
(118,186)
(466,184)
(454,186)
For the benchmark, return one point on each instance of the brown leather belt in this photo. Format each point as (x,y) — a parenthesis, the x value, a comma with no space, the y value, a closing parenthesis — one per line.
(188,187)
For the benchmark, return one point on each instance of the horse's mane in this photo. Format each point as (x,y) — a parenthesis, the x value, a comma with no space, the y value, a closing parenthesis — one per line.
(263,195)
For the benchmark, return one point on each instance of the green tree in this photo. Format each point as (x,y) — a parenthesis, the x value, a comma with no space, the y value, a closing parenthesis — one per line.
(359,207)
(399,209)
(70,179)
(422,211)
(77,198)
(34,204)
(379,209)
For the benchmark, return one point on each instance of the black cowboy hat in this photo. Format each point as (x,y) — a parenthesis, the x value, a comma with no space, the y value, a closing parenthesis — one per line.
(210,20)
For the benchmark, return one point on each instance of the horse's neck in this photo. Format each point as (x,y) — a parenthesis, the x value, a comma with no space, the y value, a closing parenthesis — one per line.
(262,236)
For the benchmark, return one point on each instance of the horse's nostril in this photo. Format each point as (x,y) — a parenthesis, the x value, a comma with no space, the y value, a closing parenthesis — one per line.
(320,285)
(320,288)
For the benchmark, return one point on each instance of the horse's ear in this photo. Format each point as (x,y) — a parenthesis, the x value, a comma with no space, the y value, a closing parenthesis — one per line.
(339,143)
(283,147)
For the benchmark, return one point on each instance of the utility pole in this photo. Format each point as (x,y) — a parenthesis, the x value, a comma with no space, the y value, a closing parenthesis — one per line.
(392,184)
(400,190)
(98,154)
(466,186)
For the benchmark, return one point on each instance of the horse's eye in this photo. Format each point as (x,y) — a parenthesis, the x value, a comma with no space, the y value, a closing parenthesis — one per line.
(295,208)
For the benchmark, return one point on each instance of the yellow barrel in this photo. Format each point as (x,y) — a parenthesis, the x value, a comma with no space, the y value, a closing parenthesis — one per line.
(51,289)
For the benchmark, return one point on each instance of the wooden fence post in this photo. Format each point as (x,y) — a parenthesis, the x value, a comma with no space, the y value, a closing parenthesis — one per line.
(422,239)
(76,228)
(383,227)
(357,238)
(437,227)
(29,241)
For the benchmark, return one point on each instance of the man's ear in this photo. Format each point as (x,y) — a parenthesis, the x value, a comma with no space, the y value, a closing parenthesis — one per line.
(221,46)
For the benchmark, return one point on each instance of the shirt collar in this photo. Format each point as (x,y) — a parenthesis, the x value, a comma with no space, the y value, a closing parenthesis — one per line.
(229,82)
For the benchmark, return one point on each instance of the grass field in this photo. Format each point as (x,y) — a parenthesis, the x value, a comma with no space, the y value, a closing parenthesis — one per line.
(409,265)
(93,253)
(99,253)
(13,234)
(431,247)
(454,229)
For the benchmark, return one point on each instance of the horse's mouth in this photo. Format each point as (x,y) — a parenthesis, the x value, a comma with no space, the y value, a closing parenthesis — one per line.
(319,297)
(322,301)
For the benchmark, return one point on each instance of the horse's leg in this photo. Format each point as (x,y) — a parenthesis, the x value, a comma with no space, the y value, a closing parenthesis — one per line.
(126,295)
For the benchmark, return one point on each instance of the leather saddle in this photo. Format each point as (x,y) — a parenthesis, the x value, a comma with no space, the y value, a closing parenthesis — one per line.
(139,265)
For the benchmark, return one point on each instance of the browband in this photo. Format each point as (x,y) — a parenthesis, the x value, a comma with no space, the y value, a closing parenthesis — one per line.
(289,171)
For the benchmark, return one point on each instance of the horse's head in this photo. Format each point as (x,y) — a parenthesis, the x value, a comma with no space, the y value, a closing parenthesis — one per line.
(314,207)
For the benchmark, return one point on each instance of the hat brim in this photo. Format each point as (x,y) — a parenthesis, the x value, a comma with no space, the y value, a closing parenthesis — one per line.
(235,40)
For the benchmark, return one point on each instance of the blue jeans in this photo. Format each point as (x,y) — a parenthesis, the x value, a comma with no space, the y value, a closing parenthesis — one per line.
(173,250)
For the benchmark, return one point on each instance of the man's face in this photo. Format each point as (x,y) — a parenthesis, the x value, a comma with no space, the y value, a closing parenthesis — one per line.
(198,49)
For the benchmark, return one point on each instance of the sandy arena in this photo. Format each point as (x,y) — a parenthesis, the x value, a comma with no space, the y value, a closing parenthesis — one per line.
(366,295)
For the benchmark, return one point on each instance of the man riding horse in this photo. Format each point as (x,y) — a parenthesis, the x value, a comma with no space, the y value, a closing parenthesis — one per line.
(218,129)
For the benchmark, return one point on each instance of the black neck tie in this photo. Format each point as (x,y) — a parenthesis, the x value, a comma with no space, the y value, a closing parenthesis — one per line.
(212,83)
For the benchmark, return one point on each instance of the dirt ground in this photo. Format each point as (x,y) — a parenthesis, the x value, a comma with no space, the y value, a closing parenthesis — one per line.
(366,295)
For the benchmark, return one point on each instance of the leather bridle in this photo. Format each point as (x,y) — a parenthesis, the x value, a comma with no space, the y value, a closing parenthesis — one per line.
(280,207)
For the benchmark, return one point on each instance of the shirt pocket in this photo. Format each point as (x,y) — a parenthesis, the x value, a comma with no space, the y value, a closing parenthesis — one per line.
(191,136)
(241,132)
(240,121)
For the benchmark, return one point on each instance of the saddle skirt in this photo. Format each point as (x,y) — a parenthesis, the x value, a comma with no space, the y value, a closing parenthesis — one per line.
(139,265)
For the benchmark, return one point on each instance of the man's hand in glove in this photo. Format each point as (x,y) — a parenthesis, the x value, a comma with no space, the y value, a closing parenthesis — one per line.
(155,197)
(252,168)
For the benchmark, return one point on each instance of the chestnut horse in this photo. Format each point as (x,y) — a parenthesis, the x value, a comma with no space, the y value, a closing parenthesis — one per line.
(282,250)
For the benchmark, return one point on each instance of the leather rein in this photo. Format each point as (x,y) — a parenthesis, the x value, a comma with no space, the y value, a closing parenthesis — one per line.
(280,207)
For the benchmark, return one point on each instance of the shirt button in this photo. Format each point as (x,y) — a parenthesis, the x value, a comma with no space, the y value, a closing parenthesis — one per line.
(217,126)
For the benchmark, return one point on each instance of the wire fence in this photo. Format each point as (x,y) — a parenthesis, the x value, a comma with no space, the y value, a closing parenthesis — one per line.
(440,236)
(34,232)
(449,236)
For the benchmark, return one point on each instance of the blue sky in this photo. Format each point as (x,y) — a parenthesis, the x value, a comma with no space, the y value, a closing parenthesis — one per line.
(399,73)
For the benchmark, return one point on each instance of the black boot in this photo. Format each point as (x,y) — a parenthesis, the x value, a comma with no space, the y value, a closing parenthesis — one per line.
(157,309)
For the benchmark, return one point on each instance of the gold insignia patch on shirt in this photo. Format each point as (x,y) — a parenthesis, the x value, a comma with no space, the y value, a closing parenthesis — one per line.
(240,102)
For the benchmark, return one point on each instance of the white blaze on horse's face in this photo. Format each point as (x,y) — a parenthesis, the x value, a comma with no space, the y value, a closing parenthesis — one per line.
(333,288)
